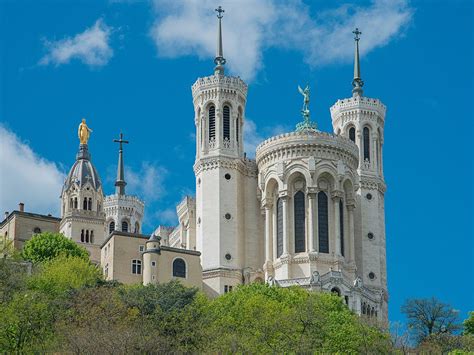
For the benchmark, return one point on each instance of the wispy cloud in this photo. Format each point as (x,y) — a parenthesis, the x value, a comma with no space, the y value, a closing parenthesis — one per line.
(253,135)
(27,177)
(147,182)
(92,47)
(251,26)
(167,217)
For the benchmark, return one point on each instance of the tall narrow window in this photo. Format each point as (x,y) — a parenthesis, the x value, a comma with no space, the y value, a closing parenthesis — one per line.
(87,236)
(323,225)
(179,268)
(352,134)
(237,126)
(71,203)
(366,144)
(111,227)
(89,205)
(124,226)
(84,204)
(226,125)
(212,122)
(82,236)
(136,267)
(299,222)
(279,227)
(75,203)
(341,225)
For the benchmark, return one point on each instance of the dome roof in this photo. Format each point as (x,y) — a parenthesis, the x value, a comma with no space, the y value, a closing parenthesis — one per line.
(83,171)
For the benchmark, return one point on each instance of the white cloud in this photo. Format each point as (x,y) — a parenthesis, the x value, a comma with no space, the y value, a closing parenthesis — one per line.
(167,217)
(147,182)
(91,47)
(253,136)
(251,26)
(27,177)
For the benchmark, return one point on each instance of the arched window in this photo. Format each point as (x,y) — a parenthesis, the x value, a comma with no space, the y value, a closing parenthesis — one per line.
(366,144)
(336,291)
(75,203)
(299,222)
(179,268)
(341,225)
(71,203)
(87,236)
(212,122)
(82,236)
(279,227)
(124,226)
(137,227)
(111,227)
(84,204)
(37,230)
(226,126)
(352,134)
(92,237)
(136,267)
(323,223)
(89,205)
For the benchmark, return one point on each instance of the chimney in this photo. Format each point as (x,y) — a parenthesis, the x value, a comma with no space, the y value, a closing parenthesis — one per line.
(6,214)
(21,207)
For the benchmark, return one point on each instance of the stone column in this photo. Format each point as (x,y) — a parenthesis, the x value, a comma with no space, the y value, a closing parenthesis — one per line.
(268,231)
(373,158)
(286,241)
(311,241)
(350,210)
(274,230)
(336,197)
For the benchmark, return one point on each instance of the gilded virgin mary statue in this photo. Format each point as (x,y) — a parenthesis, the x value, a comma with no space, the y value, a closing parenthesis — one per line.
(84,132)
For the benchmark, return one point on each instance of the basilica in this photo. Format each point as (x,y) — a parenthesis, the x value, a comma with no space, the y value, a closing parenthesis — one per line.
(307,211)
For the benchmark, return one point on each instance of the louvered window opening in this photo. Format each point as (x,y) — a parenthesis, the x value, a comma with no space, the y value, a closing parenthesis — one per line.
(212,122)
(366,144)
(299,211)
(341,225)
(279,227)
(111,227)
(124,226)
(352,134)
(323,223)
(226,122)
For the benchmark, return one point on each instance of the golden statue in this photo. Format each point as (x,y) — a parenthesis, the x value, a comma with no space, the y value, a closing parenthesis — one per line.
(84,132)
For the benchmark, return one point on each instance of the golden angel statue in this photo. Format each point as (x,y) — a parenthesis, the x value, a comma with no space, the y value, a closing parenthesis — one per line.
(83,132)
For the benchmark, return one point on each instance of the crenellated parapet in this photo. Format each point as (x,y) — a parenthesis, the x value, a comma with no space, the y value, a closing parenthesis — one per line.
(208,87)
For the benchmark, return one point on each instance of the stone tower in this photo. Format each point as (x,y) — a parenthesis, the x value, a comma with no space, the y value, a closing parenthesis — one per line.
(82,205)
(227,211)
(123,212)
(361,119)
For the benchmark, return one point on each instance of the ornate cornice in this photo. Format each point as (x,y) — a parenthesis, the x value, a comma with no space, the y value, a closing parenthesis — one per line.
(245,166)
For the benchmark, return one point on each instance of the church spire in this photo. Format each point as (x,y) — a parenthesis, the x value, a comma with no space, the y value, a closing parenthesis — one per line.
(219,60)
(357,82)
(120,183)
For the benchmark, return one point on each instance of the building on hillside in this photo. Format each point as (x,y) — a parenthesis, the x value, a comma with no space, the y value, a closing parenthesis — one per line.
(19,226)
(308,211)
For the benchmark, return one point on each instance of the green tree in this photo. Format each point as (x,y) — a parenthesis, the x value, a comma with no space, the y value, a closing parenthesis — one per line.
(469,324)
(12,278)
(430,316)
(64,273)
(47,246)
(259,318)
(25,322)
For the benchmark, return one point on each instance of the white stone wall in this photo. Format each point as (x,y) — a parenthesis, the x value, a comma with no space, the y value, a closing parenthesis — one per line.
(120,208)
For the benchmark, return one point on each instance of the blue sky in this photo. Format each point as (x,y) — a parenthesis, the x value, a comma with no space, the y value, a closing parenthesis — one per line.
(129,65)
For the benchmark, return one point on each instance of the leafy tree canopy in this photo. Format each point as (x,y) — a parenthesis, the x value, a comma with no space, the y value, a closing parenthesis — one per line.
(430,316)
(64,273)
(469,324)
(47,246)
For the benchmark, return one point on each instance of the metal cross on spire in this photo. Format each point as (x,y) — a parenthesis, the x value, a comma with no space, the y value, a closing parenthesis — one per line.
(357,82)
(120,183)
(219,60)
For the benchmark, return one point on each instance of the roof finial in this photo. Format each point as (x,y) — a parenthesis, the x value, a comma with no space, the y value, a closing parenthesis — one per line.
(357,82)
(306,125)
(120,183)
(219,60)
